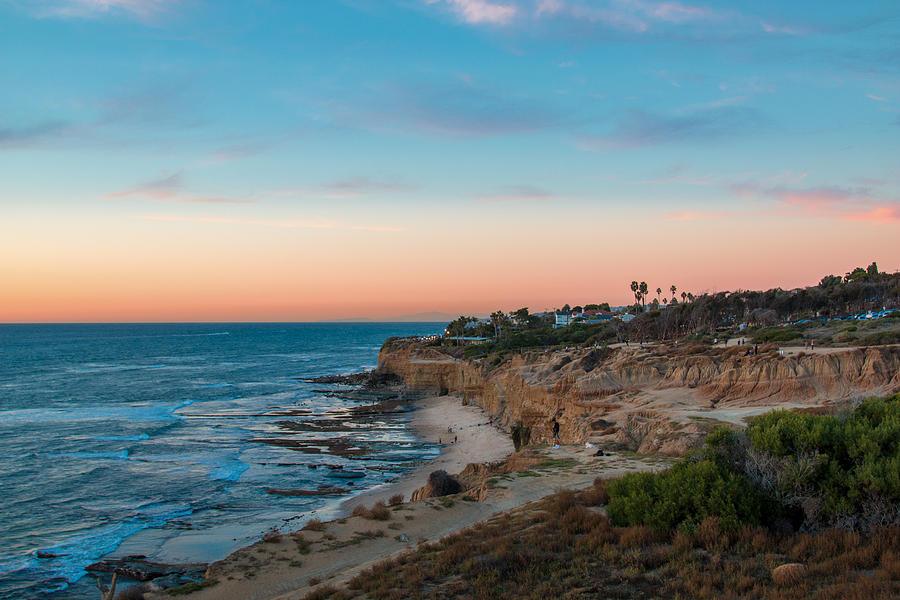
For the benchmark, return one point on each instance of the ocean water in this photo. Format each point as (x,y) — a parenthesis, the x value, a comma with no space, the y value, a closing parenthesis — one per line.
(163,439)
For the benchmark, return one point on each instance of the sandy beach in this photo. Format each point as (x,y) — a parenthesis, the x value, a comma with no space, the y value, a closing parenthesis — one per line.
(291,565)
(470,439)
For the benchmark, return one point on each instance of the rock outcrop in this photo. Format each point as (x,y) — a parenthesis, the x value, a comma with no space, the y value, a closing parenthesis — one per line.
(439,484)
(659,399)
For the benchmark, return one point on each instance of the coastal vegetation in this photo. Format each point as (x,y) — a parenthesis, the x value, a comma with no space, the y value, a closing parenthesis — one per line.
(789,469)
(783,510)
(812,313)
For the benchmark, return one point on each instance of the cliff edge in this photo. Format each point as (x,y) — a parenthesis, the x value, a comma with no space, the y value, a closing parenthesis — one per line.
(656,399)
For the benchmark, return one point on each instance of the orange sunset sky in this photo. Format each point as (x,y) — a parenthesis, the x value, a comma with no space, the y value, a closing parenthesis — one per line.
(198,161)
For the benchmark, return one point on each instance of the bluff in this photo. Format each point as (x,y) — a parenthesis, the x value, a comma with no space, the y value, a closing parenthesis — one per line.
(660,399)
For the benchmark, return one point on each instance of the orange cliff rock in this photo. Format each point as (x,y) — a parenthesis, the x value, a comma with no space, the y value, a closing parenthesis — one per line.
(660,399)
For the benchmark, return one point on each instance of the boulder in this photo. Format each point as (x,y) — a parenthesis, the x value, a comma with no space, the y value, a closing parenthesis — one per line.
(440,483)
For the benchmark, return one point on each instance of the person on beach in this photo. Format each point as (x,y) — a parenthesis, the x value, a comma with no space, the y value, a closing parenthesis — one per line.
(555,433)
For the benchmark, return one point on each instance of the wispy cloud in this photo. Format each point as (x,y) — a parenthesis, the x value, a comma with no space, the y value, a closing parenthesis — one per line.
(586,18)
(450,107)
(351,187)
(136,116)
(783,29)
(18,137)
(170,188)
(359,186)
(876,98)
(638,128)
(142,9)
(278,223)
(519,193)
(833,202)
(481,11)
(165,103)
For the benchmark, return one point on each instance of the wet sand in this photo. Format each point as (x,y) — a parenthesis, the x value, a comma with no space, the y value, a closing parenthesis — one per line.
(293,564)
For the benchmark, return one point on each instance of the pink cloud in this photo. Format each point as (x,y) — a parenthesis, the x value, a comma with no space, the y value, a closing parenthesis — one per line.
(828,202)
(878,215)
(170,188)
(817,199)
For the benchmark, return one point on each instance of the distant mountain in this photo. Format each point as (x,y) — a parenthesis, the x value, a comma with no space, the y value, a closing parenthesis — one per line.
(349,320)
(422,317)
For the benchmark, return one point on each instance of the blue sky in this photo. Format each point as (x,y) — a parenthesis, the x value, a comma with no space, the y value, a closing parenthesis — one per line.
(471,116)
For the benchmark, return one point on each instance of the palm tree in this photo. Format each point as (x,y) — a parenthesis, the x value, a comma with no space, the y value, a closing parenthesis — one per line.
(683,297)
(658,294)
(644,290)
(635,289)
(674,289)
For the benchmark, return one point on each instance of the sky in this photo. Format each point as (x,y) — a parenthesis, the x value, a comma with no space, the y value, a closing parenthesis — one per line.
(265,160)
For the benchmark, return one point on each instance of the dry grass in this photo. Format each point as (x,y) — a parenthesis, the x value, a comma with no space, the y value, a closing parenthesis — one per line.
(396,500)
(272,536)
(788,575)
(378,512)
(561,547)
(596,495)
(314,525)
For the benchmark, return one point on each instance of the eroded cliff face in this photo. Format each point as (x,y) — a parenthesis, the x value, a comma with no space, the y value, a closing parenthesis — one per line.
(659,399)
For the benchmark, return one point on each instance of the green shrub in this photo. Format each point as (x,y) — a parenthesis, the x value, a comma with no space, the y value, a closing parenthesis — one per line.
(848,462)
(880,338)
(683,496)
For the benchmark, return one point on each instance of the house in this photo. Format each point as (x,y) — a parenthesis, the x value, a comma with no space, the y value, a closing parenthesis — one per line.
(625,317)
(563,319)
(596,316)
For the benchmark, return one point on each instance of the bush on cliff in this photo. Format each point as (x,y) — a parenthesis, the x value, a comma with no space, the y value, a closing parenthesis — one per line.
(777,334)
(832,470)
(816,471)
(683,496)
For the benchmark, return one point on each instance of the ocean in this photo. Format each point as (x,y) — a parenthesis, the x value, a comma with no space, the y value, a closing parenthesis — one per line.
(164,439)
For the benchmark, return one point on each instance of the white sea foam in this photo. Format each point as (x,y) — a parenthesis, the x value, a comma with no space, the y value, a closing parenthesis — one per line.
(122,438)
(93,412)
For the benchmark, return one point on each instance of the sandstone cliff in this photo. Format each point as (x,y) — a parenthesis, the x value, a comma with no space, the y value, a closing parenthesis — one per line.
(659,399)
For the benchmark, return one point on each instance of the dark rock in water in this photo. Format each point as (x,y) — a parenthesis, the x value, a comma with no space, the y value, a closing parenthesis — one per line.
(352,379)
(347,474)
(44,554)
(138,568)
(379,379)
(368,380)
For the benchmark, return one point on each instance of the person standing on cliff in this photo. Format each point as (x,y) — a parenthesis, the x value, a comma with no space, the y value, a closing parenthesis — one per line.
(555,433)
